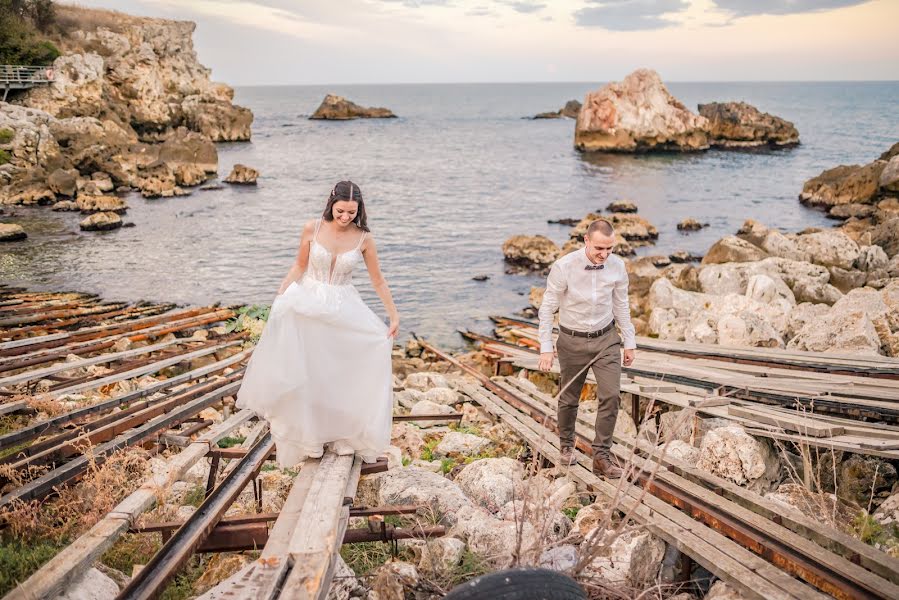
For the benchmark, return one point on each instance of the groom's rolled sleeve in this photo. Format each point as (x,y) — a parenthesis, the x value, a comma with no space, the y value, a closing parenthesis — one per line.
(555,287)
(622,312)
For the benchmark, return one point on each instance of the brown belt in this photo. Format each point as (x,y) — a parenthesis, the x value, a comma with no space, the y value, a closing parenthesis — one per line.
(588,334)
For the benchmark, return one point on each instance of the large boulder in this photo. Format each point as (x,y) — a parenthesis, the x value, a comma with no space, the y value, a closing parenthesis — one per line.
(93,204)
(425,380)
(738,124)
(455,443)
(889,177)
(638,114)
(412,485)
(852,184)
(886,235)
(492,482)
(634,558)
(866,480)
(242,174)
(732,249)
(531,252)
(829,248)
(340,109)
(633,227)
(93,585)
(63,182)
(733,454)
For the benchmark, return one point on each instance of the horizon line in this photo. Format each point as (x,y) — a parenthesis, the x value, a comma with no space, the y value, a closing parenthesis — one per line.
(592,82)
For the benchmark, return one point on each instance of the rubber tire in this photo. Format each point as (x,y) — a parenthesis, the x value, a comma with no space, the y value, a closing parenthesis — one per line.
(519,584)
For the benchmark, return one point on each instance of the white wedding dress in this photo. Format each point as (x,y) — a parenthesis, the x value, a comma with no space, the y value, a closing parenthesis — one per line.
(321,372)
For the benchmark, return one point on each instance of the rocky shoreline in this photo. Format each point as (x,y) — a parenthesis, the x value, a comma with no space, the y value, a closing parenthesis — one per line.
(130,108)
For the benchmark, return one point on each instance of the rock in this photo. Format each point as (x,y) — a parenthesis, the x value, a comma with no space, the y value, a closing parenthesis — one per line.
(93,585)
(722,591)
(622,206)
(392,579)
(63,182)
(426,407)
(559,558)
(474,416)
(887,514)
(188,174)
(886,235)
(682,256)
(242,174)
(732,453)
(442,395)
(531,252)
(682,451)
(416,486)
(344,584)
(847,328)
(845,280)
(634,557)
(570,110)
(690,225)
(865,480)
(753,232)
(889,177)
(101,221)
(851,211)
(437,556)
(491,537)
(218,568)
(425,380)
(157,180)
(732,249)
(455,443)
(480,278)
(633,228)
(338,108)
(589,518)
(491,482)
(215,117)
(407,438)
(803,314)
(831,248)
(740,125)
(812,504)
(11,232)
(843,185)
(872,258)
(638,114)
(65,206)
(777,244)
(94,204)
(535,296)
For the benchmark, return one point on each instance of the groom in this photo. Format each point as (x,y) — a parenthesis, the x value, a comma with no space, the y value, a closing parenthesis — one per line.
(589,287)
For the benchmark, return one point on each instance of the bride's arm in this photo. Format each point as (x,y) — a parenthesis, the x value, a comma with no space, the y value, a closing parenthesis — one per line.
(302,260)
(370,254)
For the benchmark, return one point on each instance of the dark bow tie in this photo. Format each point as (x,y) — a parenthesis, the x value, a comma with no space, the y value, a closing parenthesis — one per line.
(594,267)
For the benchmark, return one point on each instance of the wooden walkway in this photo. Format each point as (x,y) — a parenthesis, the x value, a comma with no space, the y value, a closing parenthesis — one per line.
(20,77)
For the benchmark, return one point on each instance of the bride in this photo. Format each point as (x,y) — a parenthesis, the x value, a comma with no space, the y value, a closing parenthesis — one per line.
(321,372)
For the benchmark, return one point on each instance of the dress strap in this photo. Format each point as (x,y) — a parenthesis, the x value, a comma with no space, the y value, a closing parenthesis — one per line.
(318,224)
(361,239)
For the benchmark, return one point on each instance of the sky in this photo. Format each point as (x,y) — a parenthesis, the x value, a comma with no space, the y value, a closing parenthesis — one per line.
(285,42)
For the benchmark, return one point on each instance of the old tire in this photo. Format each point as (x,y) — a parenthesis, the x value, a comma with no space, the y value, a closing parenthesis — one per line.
(519,584)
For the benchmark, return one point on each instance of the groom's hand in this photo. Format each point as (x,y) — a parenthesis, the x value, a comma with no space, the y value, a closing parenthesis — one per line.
(628,358)
(546,361)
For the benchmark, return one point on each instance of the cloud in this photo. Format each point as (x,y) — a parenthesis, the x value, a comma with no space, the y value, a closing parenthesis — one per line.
(744,8)
(629,15)
(525,7)
(479,11)
(420,3)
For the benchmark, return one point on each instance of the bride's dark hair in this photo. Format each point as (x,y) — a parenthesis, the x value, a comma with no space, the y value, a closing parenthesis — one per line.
(347,190)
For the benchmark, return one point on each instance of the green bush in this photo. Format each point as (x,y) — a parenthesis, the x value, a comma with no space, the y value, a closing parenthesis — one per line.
(6,135)
(21,42)
(5,157)
(20,558)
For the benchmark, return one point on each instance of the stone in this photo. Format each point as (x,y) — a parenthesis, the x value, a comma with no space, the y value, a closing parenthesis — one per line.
(847,280)
(465,444)
(491,482)
(804,313)
(442,395)
(886,235)
(425,380)
(887,514)
(63,182)
(242,175)
(722,591)
(844,184)
(777,244)
(638,114)
(101,221)
(340,109)
(732,249)
(189,175)
(93,204)
(93,585)
(344,584)
(819,506)
(439,555)
(753,232)
(872,258)
(847,328)
(219,567)
(633,227)
(530,252)
(865,480)
(690,224)
(65,206)
(559,558)
(473,415)
(392,579)
(493,538)
(622,206)
(733,454)
(589,518)
(11,232)
(634,558)
(889,177)
(741,125)
(426,407)
(408,438)
(682,451)
(830,248)
(851,211)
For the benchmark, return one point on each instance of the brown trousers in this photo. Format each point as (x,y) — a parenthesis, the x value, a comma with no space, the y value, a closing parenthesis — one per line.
(574,354)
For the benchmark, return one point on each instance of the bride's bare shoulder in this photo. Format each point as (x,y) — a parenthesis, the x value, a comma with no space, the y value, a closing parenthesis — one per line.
(309,227)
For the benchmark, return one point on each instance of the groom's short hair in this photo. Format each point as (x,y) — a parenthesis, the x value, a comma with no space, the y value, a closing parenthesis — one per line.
(602,226)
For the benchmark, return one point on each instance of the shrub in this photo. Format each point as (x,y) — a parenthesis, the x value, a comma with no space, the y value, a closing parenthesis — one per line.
(6,135)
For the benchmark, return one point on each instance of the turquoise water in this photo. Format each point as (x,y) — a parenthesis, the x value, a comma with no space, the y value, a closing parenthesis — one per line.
(445,184)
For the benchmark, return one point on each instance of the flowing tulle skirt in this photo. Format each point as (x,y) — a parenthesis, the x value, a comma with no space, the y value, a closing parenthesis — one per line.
(321,373)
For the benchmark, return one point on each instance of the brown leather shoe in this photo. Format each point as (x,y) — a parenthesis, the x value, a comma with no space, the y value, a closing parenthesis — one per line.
(604,467)
(567,456)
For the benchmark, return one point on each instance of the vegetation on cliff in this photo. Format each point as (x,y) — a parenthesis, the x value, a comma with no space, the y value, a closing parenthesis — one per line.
(24,28)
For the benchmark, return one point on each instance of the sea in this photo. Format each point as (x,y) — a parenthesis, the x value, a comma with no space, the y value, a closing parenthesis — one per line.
(460,170)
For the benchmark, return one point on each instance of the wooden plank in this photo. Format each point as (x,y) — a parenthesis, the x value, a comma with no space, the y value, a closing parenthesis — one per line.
(11,407)
(797,423)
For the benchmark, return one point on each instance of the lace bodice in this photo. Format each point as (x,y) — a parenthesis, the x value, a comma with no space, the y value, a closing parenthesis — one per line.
(321,260)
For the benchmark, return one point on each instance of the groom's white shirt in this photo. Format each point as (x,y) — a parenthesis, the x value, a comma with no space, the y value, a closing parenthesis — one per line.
(587,300)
